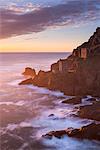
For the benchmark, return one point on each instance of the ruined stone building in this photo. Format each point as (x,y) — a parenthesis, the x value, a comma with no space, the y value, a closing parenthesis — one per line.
(63,66)
(81,53)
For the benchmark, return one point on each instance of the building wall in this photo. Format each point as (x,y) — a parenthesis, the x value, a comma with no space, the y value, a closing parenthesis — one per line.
(84,53)
(54,68)
(60,66)
(77,53)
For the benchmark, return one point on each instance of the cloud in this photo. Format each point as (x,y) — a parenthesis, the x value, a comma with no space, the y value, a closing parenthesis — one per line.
(16,23)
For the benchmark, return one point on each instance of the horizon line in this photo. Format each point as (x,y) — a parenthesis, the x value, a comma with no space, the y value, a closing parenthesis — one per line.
(38,52)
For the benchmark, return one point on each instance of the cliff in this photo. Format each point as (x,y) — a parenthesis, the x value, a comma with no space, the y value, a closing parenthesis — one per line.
(79,74)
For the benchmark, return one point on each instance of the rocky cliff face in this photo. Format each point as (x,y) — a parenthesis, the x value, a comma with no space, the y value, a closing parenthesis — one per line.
(93,44)
(81,77)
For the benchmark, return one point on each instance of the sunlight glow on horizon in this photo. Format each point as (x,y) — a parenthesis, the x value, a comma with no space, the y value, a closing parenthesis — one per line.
(52,28)
(62,40)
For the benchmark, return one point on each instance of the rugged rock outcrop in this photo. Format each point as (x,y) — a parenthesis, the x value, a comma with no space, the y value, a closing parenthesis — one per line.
(74,100)
(93,45)
(90,111)
(79,74)
(27,81)
(29,72)
(91,131)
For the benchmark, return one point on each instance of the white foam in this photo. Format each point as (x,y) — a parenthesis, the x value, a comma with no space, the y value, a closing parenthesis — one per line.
(15,82)
(68,143)
(11,127)
(25,124)
(6,103)
(61,119)
(46,91)
(85,101)
(20,103)
(23,146)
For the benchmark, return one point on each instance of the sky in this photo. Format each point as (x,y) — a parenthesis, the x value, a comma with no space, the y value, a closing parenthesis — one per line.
(46,25)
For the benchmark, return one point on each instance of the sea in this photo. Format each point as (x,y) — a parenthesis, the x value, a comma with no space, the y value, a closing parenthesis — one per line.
(28,112)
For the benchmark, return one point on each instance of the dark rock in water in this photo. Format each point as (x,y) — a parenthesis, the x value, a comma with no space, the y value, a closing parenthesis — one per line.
(84,96)
(29,72)
(51,115)
(73,132)
(27,81)
(91,131)
(90,111)
(54,117)
(91,99)
(57,134)
(75,100)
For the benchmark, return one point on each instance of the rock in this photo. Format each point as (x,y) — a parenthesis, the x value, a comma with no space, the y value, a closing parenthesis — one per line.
(51,115)
(91,99)
(91,131)
(57,134)
(42,79)
(27,81)
(73,132)
(90,111)
(75,100)
(84,96)
(29,72)
(79,76)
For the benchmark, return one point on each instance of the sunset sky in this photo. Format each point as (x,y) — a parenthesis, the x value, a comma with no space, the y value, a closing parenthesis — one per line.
(46,25)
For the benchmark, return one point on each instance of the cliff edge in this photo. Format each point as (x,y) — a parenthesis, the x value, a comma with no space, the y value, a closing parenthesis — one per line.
(79,74)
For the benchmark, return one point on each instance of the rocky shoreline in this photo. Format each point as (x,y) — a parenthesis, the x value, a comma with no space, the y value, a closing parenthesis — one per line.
(78,76)
(89,111)
(88,132)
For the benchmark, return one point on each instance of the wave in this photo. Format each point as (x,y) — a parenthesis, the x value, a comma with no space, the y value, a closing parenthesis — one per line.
(46,91)
(13,126)
(19,103)
(15,82)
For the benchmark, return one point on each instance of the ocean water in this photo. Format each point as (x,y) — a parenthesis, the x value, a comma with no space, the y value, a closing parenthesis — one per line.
(25,111)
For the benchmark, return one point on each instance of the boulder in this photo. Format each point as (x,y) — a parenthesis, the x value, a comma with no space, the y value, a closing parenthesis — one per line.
(57,134)
(92,99)
(91,131)
(74,100)
(29,72)
(51,115)
(90,111)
